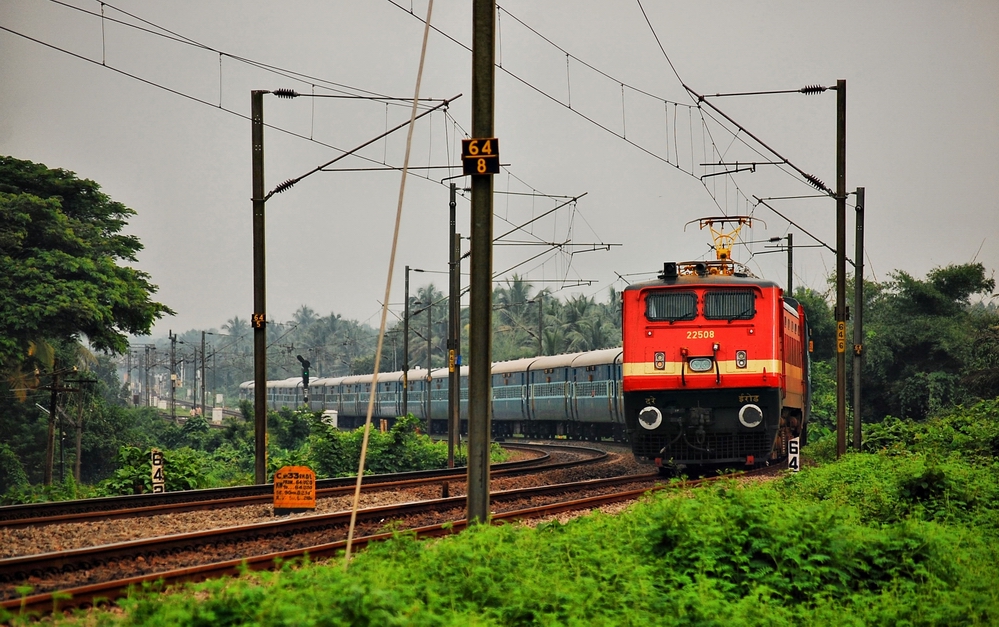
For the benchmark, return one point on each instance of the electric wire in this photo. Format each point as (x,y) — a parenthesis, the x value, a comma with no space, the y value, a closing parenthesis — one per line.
(196,99)
(179,38)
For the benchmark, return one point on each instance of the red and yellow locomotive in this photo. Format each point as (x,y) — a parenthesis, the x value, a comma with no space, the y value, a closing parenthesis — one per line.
(715,365)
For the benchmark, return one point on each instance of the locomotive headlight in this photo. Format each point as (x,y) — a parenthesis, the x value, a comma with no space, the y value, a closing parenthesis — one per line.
(650,418)
(741,360)
(750,415)
(700,364)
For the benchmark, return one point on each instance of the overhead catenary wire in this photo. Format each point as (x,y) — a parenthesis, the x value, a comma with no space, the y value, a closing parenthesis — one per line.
(187,96)
(166,33)
(182,39)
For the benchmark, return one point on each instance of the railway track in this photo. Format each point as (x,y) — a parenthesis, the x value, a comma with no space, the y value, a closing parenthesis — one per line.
(127,506)
(183,557)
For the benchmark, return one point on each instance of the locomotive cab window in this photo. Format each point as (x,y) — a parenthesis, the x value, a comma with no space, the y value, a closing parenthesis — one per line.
(729,305)
(670,306)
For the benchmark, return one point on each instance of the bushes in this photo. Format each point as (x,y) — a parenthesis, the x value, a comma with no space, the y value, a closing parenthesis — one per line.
(11,471)
(971,432)
(728,555)
(336,453)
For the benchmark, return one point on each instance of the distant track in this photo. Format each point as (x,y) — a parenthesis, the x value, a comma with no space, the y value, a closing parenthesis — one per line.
(38,514)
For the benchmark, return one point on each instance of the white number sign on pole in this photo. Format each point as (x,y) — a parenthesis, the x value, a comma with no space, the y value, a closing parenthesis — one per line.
(793,455)
(159,481)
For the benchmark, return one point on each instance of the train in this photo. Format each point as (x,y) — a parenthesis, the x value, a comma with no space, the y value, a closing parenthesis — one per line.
(716,362)
(572,396)
(714,370)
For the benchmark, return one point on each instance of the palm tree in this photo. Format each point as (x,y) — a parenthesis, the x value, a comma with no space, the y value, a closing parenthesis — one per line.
(304,317)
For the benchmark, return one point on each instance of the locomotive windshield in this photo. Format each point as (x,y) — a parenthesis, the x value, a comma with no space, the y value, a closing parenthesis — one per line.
(670,306)
(729,305)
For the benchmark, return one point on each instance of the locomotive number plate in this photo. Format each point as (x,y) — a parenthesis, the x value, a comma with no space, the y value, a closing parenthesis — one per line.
(698,335)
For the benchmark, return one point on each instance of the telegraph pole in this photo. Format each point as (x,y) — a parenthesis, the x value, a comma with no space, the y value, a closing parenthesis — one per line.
(858,317)
(259,318)
(840,268)
(480,336)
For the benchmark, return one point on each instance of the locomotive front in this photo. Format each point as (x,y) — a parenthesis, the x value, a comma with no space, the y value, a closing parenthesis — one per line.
(703,376)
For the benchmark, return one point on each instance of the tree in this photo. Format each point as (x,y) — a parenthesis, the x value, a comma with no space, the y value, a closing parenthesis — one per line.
(920,335)
(60,278)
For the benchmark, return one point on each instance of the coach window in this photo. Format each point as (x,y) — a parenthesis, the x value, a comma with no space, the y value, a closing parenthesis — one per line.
(670,306)
(729,305)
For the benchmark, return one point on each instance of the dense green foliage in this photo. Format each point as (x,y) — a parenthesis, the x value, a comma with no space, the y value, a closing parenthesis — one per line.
(197,455)
(60,278)
(907,535)
(402,448)
(926,347)
(63,281)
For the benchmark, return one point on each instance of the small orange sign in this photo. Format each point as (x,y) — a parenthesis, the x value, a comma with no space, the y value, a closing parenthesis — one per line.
(294,488)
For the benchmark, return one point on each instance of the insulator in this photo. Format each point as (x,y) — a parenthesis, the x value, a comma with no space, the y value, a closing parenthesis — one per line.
(813,89)
(816,182)
(283,186)
(286,93)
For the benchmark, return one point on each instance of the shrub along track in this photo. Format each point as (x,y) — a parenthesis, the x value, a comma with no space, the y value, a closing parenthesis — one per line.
(107,571)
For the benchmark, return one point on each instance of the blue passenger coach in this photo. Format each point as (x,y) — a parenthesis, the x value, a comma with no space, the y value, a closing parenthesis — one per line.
(576,396)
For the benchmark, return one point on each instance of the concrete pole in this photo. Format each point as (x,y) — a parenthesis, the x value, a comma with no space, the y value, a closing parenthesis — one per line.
(259,318)
(840,268)
(405,350)
(453,332)
(858,318)
(480,335)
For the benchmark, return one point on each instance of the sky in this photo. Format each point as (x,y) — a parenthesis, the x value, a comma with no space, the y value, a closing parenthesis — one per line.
(590,104)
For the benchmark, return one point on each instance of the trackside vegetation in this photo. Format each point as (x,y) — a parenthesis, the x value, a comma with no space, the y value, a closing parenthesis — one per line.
(197,456)
(902,535)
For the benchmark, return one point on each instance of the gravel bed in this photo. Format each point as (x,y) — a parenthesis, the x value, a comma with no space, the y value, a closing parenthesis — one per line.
(236,550)
(620,462)
(62,537)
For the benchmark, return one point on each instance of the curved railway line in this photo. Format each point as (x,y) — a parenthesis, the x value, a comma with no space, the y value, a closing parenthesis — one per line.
(92,573)
(105,508)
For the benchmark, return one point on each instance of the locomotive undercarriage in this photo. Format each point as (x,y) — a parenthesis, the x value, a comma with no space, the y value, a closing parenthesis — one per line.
(707,427)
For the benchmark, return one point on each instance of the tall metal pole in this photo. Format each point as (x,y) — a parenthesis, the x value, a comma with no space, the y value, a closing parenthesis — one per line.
(541,328)
(430,379)
(145,377)
(50,440)
(858,318)
(204,377)
(840,267)
(480,335)
(173,375)
(79,437)
(790,264)
(405,351)
(453,334)
(194,382)
(259,318)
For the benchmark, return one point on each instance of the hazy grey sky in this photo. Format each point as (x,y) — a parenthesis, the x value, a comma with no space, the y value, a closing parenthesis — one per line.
(923,135)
